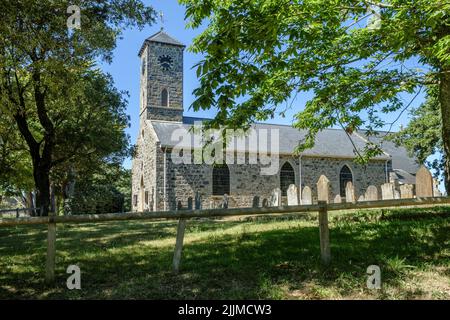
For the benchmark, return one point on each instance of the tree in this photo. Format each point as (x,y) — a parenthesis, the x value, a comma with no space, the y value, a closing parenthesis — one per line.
(123,184)
(15,164)
(358,57)
(16,178)
(48,81)
(422,137)
(106,190)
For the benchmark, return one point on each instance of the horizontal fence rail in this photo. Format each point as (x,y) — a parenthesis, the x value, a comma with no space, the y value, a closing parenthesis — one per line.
(18,209)
(182,215)
(207,213)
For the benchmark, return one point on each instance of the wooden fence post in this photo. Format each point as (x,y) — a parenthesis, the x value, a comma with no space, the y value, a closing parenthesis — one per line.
(324,233)
(51,251)
(179,245)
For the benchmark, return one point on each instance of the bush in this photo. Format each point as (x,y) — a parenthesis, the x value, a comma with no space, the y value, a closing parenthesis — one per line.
(94,199)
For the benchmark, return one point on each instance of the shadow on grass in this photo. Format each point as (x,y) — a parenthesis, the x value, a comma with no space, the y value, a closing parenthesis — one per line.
(242,265)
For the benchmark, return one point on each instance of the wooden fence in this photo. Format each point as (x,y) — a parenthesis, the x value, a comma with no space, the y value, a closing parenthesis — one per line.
(182,215)
(17,211)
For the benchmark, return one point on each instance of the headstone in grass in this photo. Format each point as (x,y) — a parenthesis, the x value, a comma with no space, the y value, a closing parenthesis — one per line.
(387,191)
(190,203)
(198,201)
(361,199)
(350,193)
(255,203)
(393,178)
(323,189)
(372,194)
(275,198)
(292,195)
(406,191)
(224,204)
(306,196)
(396,194)
(424,183)
(338,199)
(436,191)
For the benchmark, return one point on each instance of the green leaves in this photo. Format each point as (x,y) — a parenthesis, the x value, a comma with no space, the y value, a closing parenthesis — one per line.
(67,116)
(260,54)
(423,135)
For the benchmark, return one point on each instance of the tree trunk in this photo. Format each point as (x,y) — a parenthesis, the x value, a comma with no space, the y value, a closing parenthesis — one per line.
(29,196)
(444,99)
(42,181)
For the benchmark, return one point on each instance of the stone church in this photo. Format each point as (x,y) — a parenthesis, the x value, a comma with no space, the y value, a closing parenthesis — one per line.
(159,182)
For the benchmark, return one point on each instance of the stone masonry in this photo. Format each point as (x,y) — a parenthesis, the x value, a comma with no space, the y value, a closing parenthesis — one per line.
(159,184)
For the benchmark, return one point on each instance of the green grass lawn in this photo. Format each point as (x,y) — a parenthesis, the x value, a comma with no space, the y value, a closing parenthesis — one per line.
(258,258)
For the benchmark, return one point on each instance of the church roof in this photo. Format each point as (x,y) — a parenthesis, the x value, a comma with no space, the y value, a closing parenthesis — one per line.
(333,143)
(400,157)
(405,177)
(161,37)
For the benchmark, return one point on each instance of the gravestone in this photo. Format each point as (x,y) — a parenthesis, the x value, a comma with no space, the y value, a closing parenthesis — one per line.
(361,199)
(198,201)
(424,183)
(338,199)
(350,193)
(265,203)
(255,203)
(323,189)
(292,195)
(387,191)
(224,204)
(436,191)
(189,203)
(306,196)
(406,191)
(211,204)
(275,198)
(396,194)
(372,194)
(393,178)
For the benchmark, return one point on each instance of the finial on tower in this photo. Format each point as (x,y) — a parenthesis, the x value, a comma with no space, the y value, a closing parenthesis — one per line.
(161,17)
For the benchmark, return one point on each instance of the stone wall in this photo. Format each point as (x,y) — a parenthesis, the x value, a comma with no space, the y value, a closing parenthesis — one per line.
(144,174)
(157,79)
(167,114)
(147,167)
(363,176)
(183,180)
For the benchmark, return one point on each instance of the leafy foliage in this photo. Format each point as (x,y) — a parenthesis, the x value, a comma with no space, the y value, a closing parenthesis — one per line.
(66,115)
(105,190)
(261,54)
(423,135)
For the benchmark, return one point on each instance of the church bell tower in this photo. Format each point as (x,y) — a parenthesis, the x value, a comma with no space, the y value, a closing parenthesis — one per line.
(161,94)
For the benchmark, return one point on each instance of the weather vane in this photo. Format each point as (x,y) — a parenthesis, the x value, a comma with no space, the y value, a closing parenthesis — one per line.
(161,17)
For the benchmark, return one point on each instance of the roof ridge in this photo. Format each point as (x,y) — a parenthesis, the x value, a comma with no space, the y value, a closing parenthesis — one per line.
(165,34)
(161,37)
(281,124)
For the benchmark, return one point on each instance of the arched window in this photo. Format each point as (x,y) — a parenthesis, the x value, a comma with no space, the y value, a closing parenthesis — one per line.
(344,177)
(287,177)
(164,98)
(221,180)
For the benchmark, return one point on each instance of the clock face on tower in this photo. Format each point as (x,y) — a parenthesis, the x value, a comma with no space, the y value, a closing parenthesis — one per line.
(166,62)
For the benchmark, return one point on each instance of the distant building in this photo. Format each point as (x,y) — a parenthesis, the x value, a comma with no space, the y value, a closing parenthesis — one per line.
(159,183)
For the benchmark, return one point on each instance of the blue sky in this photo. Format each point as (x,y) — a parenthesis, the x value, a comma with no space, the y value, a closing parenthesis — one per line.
(126,66)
